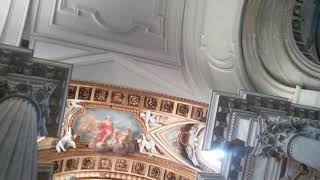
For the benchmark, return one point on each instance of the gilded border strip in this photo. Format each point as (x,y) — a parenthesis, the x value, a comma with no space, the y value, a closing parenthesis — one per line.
(112,95)
(86,161)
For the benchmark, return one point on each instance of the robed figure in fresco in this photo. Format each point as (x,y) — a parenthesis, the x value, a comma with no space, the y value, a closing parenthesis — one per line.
(103,136)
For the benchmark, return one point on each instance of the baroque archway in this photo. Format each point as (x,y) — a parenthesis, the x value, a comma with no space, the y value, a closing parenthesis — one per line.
(123,133)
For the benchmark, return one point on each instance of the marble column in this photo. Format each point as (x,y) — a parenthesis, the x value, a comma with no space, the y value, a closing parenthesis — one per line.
(305,150)
(18,136)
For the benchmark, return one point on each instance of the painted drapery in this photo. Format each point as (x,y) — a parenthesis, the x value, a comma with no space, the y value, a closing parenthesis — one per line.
(108,130)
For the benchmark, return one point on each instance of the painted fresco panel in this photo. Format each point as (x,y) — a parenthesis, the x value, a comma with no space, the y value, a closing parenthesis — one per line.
(108,130)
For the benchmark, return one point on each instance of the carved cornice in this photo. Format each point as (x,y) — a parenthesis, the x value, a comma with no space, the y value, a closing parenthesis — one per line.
(278,134)
(224,105)
(281,121)
(84,162)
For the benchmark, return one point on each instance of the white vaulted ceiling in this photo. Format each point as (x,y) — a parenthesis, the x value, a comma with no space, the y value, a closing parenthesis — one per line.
(147,29)
(178,47)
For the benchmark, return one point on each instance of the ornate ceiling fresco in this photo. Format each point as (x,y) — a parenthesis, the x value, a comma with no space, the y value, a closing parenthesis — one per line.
(131,132)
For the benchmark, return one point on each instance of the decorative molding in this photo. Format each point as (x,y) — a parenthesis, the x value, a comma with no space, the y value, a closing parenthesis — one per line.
(74,9)
(269,55)
(277,136)
(209,176)
(4,9)
(256,130)
(76,51)
(84,59)
(164,146)
(223,64)
(16,18)
(133,165)
(157,42)
(204,69)
(84,91)
(227,61)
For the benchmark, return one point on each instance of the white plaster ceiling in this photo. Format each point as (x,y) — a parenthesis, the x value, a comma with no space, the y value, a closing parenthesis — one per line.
(148,29)
(179,47)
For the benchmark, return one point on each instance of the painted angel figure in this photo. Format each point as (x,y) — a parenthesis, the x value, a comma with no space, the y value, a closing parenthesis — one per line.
(98,133)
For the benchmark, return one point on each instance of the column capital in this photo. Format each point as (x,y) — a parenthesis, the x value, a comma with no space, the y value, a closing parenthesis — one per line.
(276,134)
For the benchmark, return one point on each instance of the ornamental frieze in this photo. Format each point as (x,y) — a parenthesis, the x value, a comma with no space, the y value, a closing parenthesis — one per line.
(77,163)
(122,96)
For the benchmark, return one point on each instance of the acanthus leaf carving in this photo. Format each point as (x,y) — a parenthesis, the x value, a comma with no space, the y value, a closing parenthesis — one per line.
(275,134)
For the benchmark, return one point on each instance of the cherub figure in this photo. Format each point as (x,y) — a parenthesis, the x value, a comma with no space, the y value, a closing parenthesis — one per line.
(124,143)
(124,136)
(66,140)
(147,144)
(150,119)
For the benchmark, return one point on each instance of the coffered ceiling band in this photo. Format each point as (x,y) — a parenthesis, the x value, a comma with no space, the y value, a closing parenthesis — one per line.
(117,96)
(85,163)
